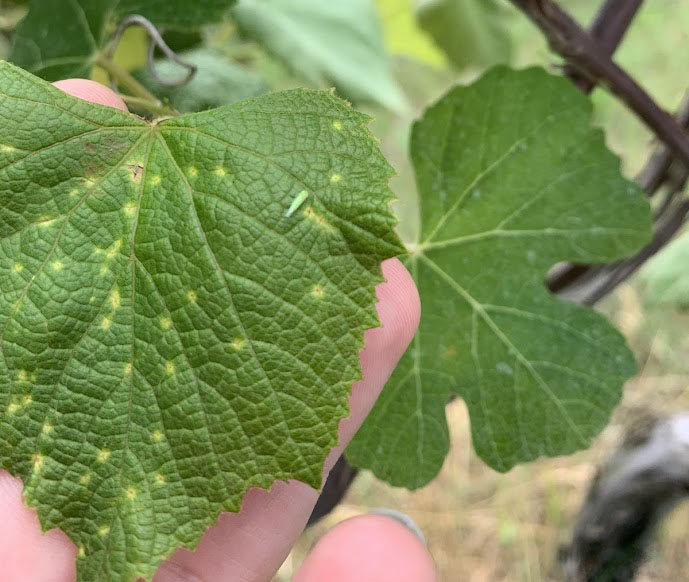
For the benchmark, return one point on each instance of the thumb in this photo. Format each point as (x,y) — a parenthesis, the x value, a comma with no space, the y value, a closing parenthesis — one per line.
(91,91)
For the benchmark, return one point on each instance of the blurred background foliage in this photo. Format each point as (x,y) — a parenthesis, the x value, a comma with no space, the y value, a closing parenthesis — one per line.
(391,59)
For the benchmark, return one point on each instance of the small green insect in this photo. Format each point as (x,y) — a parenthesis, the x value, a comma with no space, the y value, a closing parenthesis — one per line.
(296,203)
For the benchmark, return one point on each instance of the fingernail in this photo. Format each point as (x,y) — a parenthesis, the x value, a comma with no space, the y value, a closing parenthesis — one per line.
(403,518)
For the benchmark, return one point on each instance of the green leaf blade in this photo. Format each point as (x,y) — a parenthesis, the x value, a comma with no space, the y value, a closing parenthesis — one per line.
(168,338)
(512,181)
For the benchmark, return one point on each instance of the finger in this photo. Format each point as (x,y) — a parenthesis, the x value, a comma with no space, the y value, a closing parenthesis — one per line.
(369,548)
(250,546)
(91,91)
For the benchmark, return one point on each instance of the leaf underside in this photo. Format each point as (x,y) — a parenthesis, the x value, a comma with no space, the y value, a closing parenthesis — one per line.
(59,39)
(168,338)
(512,180)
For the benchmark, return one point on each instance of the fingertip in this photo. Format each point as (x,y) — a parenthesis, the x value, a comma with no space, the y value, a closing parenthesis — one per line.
(91,91)
(369,548)
(26,553)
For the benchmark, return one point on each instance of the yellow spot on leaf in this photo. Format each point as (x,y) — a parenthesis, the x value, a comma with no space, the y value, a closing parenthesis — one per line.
(337,125)
(317,291)
(115,298)
(165,322)
(45,221)
(131,493)
(130,208)
(169,368)
(7,149)
(103,530)
(127,369)
(103,455)
(47,428)
(191,296)
(335,178)
(157,436)
(238,343)
(81,553)
(160,478)
(12,408)
(220,172)
(73,192)
(22,376)
(85,479)
(90,182)
(106,323)
(318,220)
(57,266)
(114,248)
(155,180)
(192,171)
(37,461)
(27,399)
(17,267)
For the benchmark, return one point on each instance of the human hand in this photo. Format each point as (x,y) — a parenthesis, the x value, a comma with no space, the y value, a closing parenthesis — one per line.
(250,546)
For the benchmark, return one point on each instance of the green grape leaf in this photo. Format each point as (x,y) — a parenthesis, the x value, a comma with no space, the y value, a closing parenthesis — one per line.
(470,32)
(512,180)
(168,336)
(666,276)
(217,81)
(59,39)
(326,42)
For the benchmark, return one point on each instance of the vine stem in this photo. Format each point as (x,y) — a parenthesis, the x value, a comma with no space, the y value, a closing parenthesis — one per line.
(584,53)
(141,96)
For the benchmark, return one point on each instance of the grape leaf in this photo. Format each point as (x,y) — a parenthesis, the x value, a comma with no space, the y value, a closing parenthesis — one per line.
(666,275)
(217,81)
(324,42)
(62,38)
(469,31)
(168,337)
(512,179)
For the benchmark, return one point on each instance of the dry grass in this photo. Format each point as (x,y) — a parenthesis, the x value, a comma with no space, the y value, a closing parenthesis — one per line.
(483,526)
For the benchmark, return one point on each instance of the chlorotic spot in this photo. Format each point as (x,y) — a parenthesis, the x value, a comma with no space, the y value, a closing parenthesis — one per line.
(45,221)
(191,296)
(12,408)
(103,455)
(104,270)
(57,266)
(160,478)
(114,249)
(318,220)
(220,172)
(85,479)
(337,125)
(317,291)
(165,322)
(22,376)
(47,428)
(90,182)
(106,323)
(103,530)
(38,461)
(155,180)
(192,171)
(74,192)
(81,553)
(169,368)
(127,369)
(335,178)
(7,149)
(17,267)
(157,436)
(27,399)
(131,493)
(238,343)
(115,298)
(130,208)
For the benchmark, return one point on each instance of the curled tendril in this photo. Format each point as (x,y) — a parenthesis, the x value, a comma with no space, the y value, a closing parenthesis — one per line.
(155,41)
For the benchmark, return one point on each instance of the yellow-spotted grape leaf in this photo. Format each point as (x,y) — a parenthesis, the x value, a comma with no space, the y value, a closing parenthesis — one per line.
(62,38)
(168,336)
(512,179)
